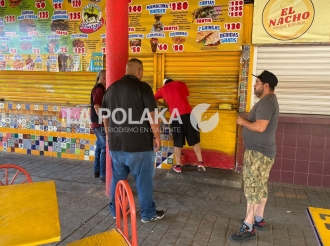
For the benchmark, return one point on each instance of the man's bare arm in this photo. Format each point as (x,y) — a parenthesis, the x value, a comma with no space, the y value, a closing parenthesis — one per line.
(257,126)
(154,124)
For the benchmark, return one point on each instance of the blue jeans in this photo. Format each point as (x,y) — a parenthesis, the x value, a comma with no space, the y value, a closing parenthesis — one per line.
(100,151)
(141,165)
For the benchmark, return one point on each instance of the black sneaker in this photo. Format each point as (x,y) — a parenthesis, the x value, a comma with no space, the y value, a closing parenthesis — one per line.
(159,215)
(102,180)
(261,225)
(96,175)
(243,234)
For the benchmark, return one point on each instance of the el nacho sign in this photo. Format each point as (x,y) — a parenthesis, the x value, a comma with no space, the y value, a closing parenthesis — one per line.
(291,21)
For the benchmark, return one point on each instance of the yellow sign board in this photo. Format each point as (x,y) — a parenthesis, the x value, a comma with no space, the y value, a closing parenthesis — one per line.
(32,30)
(291,21)
(185,26)
(321,221)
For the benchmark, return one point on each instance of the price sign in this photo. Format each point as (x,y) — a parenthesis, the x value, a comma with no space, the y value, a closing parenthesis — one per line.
(136,49)
(76,3)
(233,26)
(79,50)
(13,51)
(135,9)
(235,8)
(74,16)
(36,51)
(179,6)
(178,47)
(57,5)
(162,47)
(43,14)
(10,18)
(64,49)
(40,5)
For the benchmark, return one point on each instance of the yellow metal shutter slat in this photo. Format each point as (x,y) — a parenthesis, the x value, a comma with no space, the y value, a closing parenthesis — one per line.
(148,67)
(212,77)
(47,87)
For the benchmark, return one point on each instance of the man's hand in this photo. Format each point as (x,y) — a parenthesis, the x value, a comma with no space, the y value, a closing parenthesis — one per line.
(160,104)
(156,144)
(240,121)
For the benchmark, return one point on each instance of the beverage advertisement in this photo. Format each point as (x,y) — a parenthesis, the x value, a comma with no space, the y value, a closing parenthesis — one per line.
(185,26)
(70,30)
(291,21)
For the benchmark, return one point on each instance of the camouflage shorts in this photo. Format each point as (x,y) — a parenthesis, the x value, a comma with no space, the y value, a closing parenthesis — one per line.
(256,170)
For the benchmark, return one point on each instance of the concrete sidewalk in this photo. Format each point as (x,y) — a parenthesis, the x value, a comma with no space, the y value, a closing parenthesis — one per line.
(199,211)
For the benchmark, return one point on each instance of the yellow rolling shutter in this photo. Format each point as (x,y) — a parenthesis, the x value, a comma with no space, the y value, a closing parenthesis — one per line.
(47,87)
(58,88)
(212,77)
(149,63)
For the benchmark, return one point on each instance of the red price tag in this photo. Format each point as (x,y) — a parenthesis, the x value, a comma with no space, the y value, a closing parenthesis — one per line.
(10,18)
(64,49)
(36,51)
(30,68)
(76,3)
(74,16)
(178,47)
(162,47)
(136,49)
(135,9)
(233,26)
(2,3)
(79,50)
(43,14)
(179,6)
(235,14)
(236,3)
(13,51)
(57,5)
(40,5)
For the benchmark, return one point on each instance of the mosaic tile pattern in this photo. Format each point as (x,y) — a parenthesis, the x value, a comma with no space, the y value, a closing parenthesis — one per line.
(243,86)
(32,129)
(165,156)
(61,132)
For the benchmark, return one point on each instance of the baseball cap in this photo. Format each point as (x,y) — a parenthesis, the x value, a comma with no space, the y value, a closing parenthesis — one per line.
(166,80)
(267,77)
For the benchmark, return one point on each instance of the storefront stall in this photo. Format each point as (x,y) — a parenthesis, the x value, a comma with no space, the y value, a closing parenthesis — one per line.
(49,50)
(291,40)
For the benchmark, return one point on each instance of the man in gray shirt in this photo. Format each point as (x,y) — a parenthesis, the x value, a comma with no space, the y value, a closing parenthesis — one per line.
(259,140)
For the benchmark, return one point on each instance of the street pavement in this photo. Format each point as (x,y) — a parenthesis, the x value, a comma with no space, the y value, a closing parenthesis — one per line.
(202,209)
